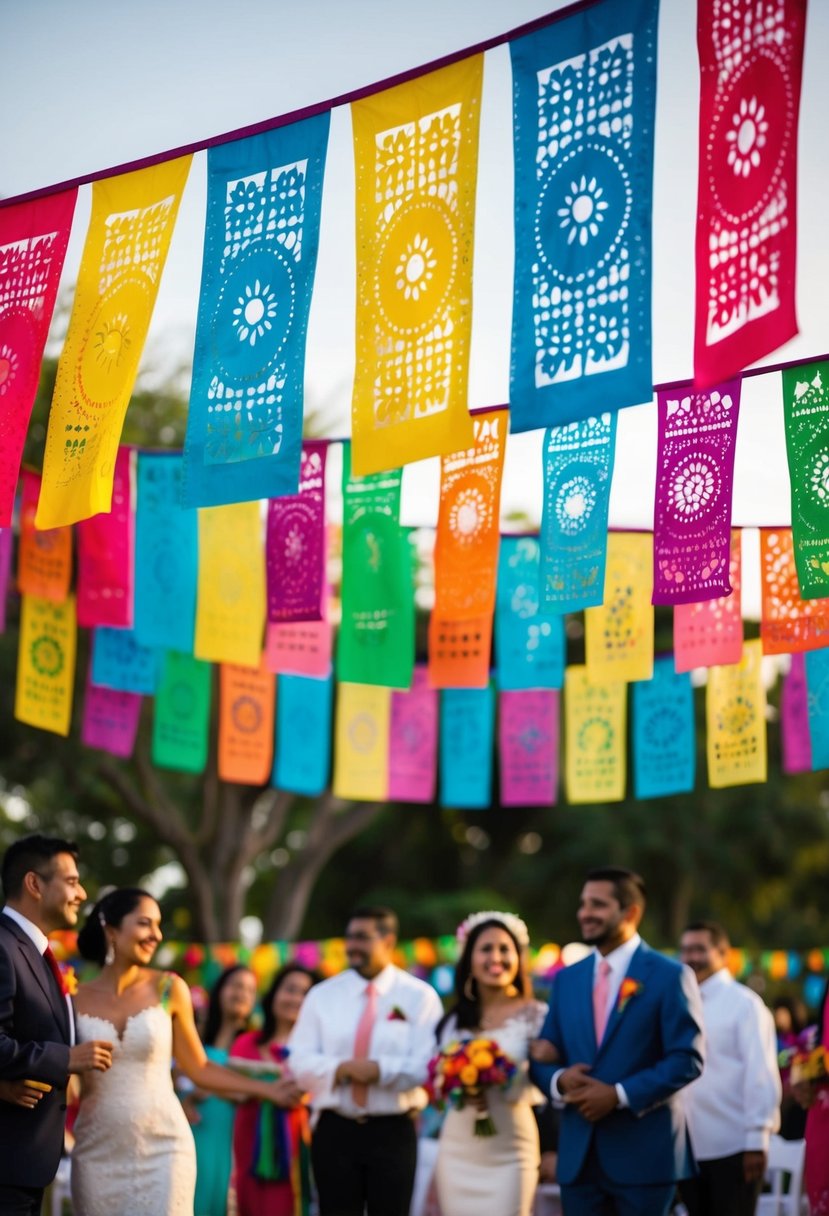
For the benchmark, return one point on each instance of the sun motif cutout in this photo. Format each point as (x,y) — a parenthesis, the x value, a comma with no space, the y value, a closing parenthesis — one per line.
(8,367)
(574,504)
(255,312)
(819,479)
(747,136)
(468,514)
(47,656)
(583,212)
(112,341)
(692,488)
(294,544)
(415,268)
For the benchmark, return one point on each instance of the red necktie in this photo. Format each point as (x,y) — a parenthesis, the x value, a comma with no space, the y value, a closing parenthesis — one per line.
(362,1039)
(52,963)
(601,990)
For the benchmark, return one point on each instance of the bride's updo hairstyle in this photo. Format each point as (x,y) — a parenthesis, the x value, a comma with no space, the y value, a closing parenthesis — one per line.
(467,1005)
(109,910)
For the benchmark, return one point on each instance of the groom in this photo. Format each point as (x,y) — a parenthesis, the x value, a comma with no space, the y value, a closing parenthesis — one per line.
(627,1025)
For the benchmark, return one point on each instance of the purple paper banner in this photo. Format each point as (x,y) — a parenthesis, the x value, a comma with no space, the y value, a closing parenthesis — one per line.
(692,506)
(295,546)
(528,730)
(110,719)
(106,545)
(5,570)
(795,740)
(413,743)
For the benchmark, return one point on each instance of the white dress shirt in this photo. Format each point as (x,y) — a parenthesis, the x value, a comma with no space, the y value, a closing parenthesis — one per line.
(40,942)
(735,1105)
(400,1045)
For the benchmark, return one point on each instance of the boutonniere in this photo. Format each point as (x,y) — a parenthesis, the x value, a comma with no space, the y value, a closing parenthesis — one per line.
(397,1015)
(70,980)
(629,988)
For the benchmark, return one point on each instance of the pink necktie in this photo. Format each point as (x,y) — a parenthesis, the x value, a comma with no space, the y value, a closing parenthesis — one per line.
(601,989)
(362,1039)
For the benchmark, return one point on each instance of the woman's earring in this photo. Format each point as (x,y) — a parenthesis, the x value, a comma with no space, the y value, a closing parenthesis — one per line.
(469,988)
(109,957)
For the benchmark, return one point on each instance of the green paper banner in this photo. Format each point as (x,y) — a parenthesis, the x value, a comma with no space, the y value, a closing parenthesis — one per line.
(182,713)
(806,414)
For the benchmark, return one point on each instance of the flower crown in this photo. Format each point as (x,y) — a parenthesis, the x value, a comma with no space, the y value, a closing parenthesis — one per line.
(509,920)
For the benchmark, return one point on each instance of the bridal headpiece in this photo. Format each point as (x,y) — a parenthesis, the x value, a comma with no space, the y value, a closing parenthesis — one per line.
(509,920)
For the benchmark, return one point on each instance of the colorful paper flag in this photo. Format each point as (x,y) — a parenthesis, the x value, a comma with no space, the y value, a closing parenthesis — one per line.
(806,415)
(120,662)
(110,720)
(166,556)
(664,733)
(750,69)
(796,745)
(303,734)
(244,427)
(467,731)
(295,543)
(788,623)
(529,647)
(735,711)
(246,717)
(33,240)
(5,572)
(710,633)
(528,747)
(361,749)
(230,608)
(619,635)
(123,259)
(578,468)
(302,648)
(584,96)
(817,683)
(594,736)
(182,714)
(416,159)
(692,505)
(413,752)
(106,545)
(44,559)
(466,558)
(46,664)
(376,641)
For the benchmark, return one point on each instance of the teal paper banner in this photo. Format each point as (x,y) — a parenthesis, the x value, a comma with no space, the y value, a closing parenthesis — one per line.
(303,735)
(664,734)
(529,647)
(467,728)
(166,557)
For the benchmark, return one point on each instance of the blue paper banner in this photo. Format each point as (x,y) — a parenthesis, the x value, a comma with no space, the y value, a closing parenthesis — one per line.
(584,95)
(817,683)
(119,661)
(467,728)
(244,432)
(166,556)
(664,733)
(578,468)
(529,647)
(303,734)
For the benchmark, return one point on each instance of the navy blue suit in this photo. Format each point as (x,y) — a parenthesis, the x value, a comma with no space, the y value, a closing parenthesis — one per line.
(653,1046)
(34,1046)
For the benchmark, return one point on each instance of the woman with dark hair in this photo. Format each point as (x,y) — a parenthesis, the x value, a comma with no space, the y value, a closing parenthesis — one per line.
(494,1175)
(814,1097)
(133,1147)
(270,1143)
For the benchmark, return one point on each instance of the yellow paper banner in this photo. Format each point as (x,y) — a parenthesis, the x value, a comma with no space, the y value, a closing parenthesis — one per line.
(619,635)
(595,746)
(361,759)
(46,664)
(230,608)
(735,711)
(123,258)
(246,724)
(416,155)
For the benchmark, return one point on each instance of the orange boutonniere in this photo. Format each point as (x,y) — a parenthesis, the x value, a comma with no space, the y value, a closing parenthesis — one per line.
(70,980)
(629,989)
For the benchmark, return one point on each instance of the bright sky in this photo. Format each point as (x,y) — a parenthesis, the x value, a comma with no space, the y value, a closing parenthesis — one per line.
(92,84)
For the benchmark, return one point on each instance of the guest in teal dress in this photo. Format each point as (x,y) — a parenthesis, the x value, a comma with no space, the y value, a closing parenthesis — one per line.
(231,1004)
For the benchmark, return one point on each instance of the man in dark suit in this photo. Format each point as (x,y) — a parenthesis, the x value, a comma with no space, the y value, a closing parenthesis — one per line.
(43,893)
(627,1025)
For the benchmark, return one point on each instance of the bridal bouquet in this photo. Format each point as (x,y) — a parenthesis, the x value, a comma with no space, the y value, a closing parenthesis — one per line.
(465,1068)
(809,1065)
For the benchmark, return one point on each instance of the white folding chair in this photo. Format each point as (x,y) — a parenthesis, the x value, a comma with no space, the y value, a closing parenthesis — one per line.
(786,1159)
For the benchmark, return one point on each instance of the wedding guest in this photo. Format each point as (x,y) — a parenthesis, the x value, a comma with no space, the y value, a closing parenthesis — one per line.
(361,1046)
(814,1097)
(734,1107)
(790,1020)
(272,1183)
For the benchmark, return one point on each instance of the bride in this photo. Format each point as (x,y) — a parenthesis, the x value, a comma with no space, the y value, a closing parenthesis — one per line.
(495,1175)
(134,1149)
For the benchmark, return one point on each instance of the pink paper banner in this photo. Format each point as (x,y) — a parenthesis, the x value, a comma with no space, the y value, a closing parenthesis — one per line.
(710,633)
(300,648)
(110,719)
(751,58)
(413,744)
(5,571)
(106,548)
(33,239)
(796,743)
(528,729)
(295,546)
(692,506)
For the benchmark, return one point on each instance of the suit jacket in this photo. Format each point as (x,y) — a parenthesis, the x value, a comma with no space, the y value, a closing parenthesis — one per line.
(34,1045)
(653,1045)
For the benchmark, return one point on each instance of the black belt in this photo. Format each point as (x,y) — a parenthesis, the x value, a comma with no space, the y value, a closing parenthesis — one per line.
(403,1114)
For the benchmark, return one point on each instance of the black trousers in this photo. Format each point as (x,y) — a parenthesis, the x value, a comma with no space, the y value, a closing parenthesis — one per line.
(21,1200)
(720,1189)
(364,1166)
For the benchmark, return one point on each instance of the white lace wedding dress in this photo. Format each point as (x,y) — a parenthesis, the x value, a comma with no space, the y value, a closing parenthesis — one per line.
(134,1150)
(494,1175)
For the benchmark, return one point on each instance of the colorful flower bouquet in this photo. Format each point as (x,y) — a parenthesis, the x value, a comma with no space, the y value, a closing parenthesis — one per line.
(462,1070)
(809,1065)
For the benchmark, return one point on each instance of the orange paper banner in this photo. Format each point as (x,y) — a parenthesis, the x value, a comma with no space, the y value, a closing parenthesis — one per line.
(44,559)
(246,724)
(789,623)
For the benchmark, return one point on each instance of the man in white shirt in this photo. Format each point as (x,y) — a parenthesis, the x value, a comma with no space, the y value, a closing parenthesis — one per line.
(735,1105)
(361,1046)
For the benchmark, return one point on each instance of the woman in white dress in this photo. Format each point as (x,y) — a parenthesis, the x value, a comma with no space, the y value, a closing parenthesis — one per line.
(494,1175)
(134,1150)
